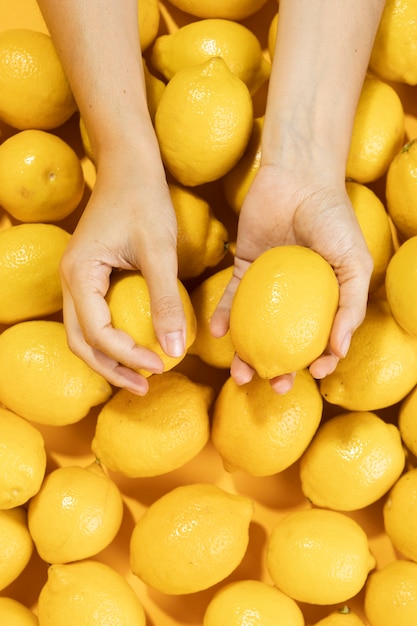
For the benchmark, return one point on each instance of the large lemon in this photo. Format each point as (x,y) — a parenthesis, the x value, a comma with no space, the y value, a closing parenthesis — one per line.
(230,9)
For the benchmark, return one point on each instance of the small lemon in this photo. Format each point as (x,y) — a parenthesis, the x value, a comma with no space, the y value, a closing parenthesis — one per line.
(380,368)
(229,9)
(357,450)
(401,282)
(376,229)
(129,304)
(401,190)
(22,460)
(391,595)
(215,351)
(29,271)
(202,239)
(203,122)
(154,434)
(191,538)
(407,422)
(41,177)
(283,310)
(378,131)
(34,91)
(86,593)
(247,602)
(319,556)
(394,52)
(42,380)
(16,544)
(343,617)
(14,613)
(260,431)
(400,515)
(149,18)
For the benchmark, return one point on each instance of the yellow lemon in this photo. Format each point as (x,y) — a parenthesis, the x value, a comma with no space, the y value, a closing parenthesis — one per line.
(401,282)
(157,433)
(357,450)
(407,422)
(129,304)
(391,595)
(41,177)
(401,190)
(149,18)
(252,602)
(199,41)
(86,593)
(191,538)
(203,122)
(260,431)
(400,515)
(29,271)
(202,239)
(376,229)
(5,220)
(380,368)
(34,91)
(215,351)
(394,53)
(76,513)
(378,131)
(343,617)
(42,380)
(283,310)
(155,87)
(319,556)
(22,460)
(229,9)
(16,545)
(272,35)
(15,613)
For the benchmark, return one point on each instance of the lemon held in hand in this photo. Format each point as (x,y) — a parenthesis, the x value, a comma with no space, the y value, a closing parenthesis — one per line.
(283,310)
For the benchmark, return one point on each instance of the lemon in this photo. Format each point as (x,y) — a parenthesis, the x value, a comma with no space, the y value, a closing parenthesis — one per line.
(149,18)
(283,310)
(378,131)
(400,515)
(16,545)
(41,177)
(375,226)
(407,421)
(5,220)
(203,122)
(22,460)
(248,602)
(34,91)
(129,304)
(380,368)
(202,239)
(272,35)
(401,190)
(15,613)
(394,53)
(150,435)
(191,538)
(229,9)
(319,556)
(199,41)
(42,380)
(29,271)
(155,87)
(357,450)
(400,282)
(215,351)
(343,617)
(86,593)
(86,141)
(262,432)
(391,595)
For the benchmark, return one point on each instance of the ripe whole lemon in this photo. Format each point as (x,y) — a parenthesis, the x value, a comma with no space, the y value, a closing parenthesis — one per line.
(229,9)
(203,122)
(272,35)
(22,460)
(400,515)
(380,368)
(407,422)
(378,131)
(150,435)
(88,592)
(41,177)
(357,450)
(247,602)
(59,388)
(29,271)
(343,617)
(260,431)
(34,91)
(16,544)
(400,282)
(283,310)
(15,613)
(191,538)
(391,594)
(129,304)
(319,556)
(149,18)
(401,190)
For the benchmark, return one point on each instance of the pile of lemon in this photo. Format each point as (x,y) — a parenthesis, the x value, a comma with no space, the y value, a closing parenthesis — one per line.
(206,502)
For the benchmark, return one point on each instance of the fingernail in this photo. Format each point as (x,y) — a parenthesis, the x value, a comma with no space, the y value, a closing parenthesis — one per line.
(174,343)
(345,345)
